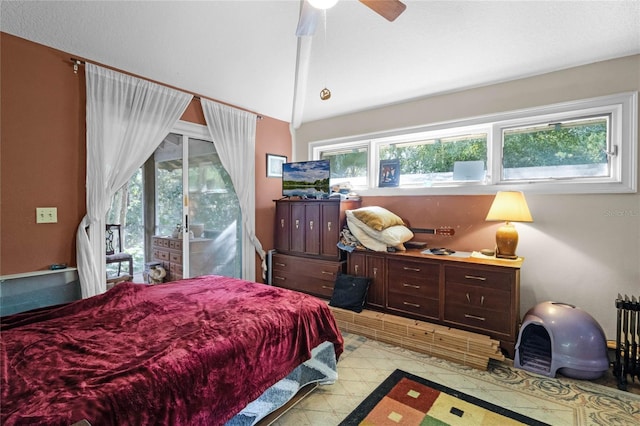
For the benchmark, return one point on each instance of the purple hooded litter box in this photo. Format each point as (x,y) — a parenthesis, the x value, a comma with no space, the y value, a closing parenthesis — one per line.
(558,337)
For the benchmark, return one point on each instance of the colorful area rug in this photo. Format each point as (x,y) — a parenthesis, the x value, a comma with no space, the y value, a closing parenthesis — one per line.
(406,399)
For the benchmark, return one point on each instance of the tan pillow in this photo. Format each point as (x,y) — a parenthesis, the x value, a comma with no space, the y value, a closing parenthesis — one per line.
(377,218)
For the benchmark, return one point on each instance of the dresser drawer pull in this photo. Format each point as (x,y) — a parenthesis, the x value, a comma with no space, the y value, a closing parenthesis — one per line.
(327,287)
(280,264)
(481,300)
(329,226)
(415,305)
(327,273)
(356,269)
(282,223)
(475,277)
(280,278)
(468,298)
(474,317)
(297,223)
(406,268)
(410,285)
(375,273)
(311,225)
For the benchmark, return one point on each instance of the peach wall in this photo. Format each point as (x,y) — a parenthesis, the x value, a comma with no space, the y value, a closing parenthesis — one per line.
(194,113)
(43,156)
(272,137)
(463,214)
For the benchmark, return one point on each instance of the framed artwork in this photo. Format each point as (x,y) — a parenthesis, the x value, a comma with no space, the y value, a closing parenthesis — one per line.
(389,173)
(274,165)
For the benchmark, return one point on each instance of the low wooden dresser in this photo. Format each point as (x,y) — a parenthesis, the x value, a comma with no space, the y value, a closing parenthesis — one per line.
(168,251)
(481,295)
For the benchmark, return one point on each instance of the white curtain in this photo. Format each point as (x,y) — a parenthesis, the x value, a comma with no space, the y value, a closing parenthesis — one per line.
(234,135)
(126,120)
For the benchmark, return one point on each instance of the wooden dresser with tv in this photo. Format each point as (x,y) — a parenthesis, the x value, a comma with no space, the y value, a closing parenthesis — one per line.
(306,235)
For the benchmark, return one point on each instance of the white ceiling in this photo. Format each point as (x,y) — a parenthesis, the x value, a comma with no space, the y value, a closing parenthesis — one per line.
(244,52)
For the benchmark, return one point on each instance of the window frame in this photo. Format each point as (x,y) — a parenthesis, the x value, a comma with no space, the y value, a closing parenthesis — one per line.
(622,107)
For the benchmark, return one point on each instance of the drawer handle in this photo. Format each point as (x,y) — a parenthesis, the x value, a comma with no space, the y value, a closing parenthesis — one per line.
(297,223)
(406,268)
(280,278)
(474,317)
(356,269)
(280,264)
(327,287)
(475,277)
(282,223)
(410,285)
(375,273)
(415,305)
(468,298)
(329,226)
(311,225)
(481,300)
(327,272)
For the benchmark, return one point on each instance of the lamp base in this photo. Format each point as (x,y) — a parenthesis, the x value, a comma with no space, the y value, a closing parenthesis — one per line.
(506,241)
(506,256)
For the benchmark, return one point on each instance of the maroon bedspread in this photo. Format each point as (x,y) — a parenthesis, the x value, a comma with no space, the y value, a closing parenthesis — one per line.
(189,352)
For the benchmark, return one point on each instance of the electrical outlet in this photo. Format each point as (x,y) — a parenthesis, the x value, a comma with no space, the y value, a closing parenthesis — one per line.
(46,215)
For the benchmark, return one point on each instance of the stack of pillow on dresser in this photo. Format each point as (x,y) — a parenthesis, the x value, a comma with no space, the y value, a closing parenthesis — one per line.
(377,229)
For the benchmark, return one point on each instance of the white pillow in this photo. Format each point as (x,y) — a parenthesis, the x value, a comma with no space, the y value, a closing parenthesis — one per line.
(364,238)
(393,236)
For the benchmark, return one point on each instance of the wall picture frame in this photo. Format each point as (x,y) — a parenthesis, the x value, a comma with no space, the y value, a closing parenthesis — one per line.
(274,165)
(389,173)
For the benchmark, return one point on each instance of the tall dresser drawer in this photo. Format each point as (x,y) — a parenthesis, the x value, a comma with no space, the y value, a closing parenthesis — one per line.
(305,274)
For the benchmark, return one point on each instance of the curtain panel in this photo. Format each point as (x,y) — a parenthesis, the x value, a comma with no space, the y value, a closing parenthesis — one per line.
(234,135)
(126,119)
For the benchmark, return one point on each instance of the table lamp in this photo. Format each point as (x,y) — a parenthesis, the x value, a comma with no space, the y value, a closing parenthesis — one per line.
(508,206)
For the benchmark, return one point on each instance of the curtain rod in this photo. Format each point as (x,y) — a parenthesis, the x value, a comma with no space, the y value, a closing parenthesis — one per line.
(78,62)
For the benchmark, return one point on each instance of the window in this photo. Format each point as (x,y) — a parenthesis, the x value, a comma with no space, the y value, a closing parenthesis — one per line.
(577,148)
(585,146)
(433,160)
(349,165)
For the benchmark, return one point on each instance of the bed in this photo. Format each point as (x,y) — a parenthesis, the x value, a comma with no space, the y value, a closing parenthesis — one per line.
(195,351)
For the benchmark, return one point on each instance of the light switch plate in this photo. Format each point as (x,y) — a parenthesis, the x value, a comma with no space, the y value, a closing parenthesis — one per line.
(46,215)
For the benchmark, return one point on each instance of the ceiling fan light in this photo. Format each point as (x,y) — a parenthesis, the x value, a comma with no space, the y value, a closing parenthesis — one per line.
(322,4)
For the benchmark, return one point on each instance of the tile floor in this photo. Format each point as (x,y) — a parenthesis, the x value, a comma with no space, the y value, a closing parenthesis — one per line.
(366,363)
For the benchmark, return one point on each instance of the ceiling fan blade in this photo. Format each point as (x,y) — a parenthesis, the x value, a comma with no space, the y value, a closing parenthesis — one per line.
(388,9)
(308,20)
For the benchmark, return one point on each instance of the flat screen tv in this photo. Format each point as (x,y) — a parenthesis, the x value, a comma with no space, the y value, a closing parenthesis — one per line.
(306,179)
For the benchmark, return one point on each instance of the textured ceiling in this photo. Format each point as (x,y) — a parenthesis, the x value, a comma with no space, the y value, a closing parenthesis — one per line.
(244,52)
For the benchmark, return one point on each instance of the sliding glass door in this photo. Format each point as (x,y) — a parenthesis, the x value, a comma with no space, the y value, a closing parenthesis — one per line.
(195,201)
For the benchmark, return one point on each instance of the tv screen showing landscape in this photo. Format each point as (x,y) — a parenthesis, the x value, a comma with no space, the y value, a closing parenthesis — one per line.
(307,179)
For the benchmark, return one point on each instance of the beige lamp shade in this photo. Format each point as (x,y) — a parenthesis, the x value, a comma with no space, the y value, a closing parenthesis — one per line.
(508,206)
